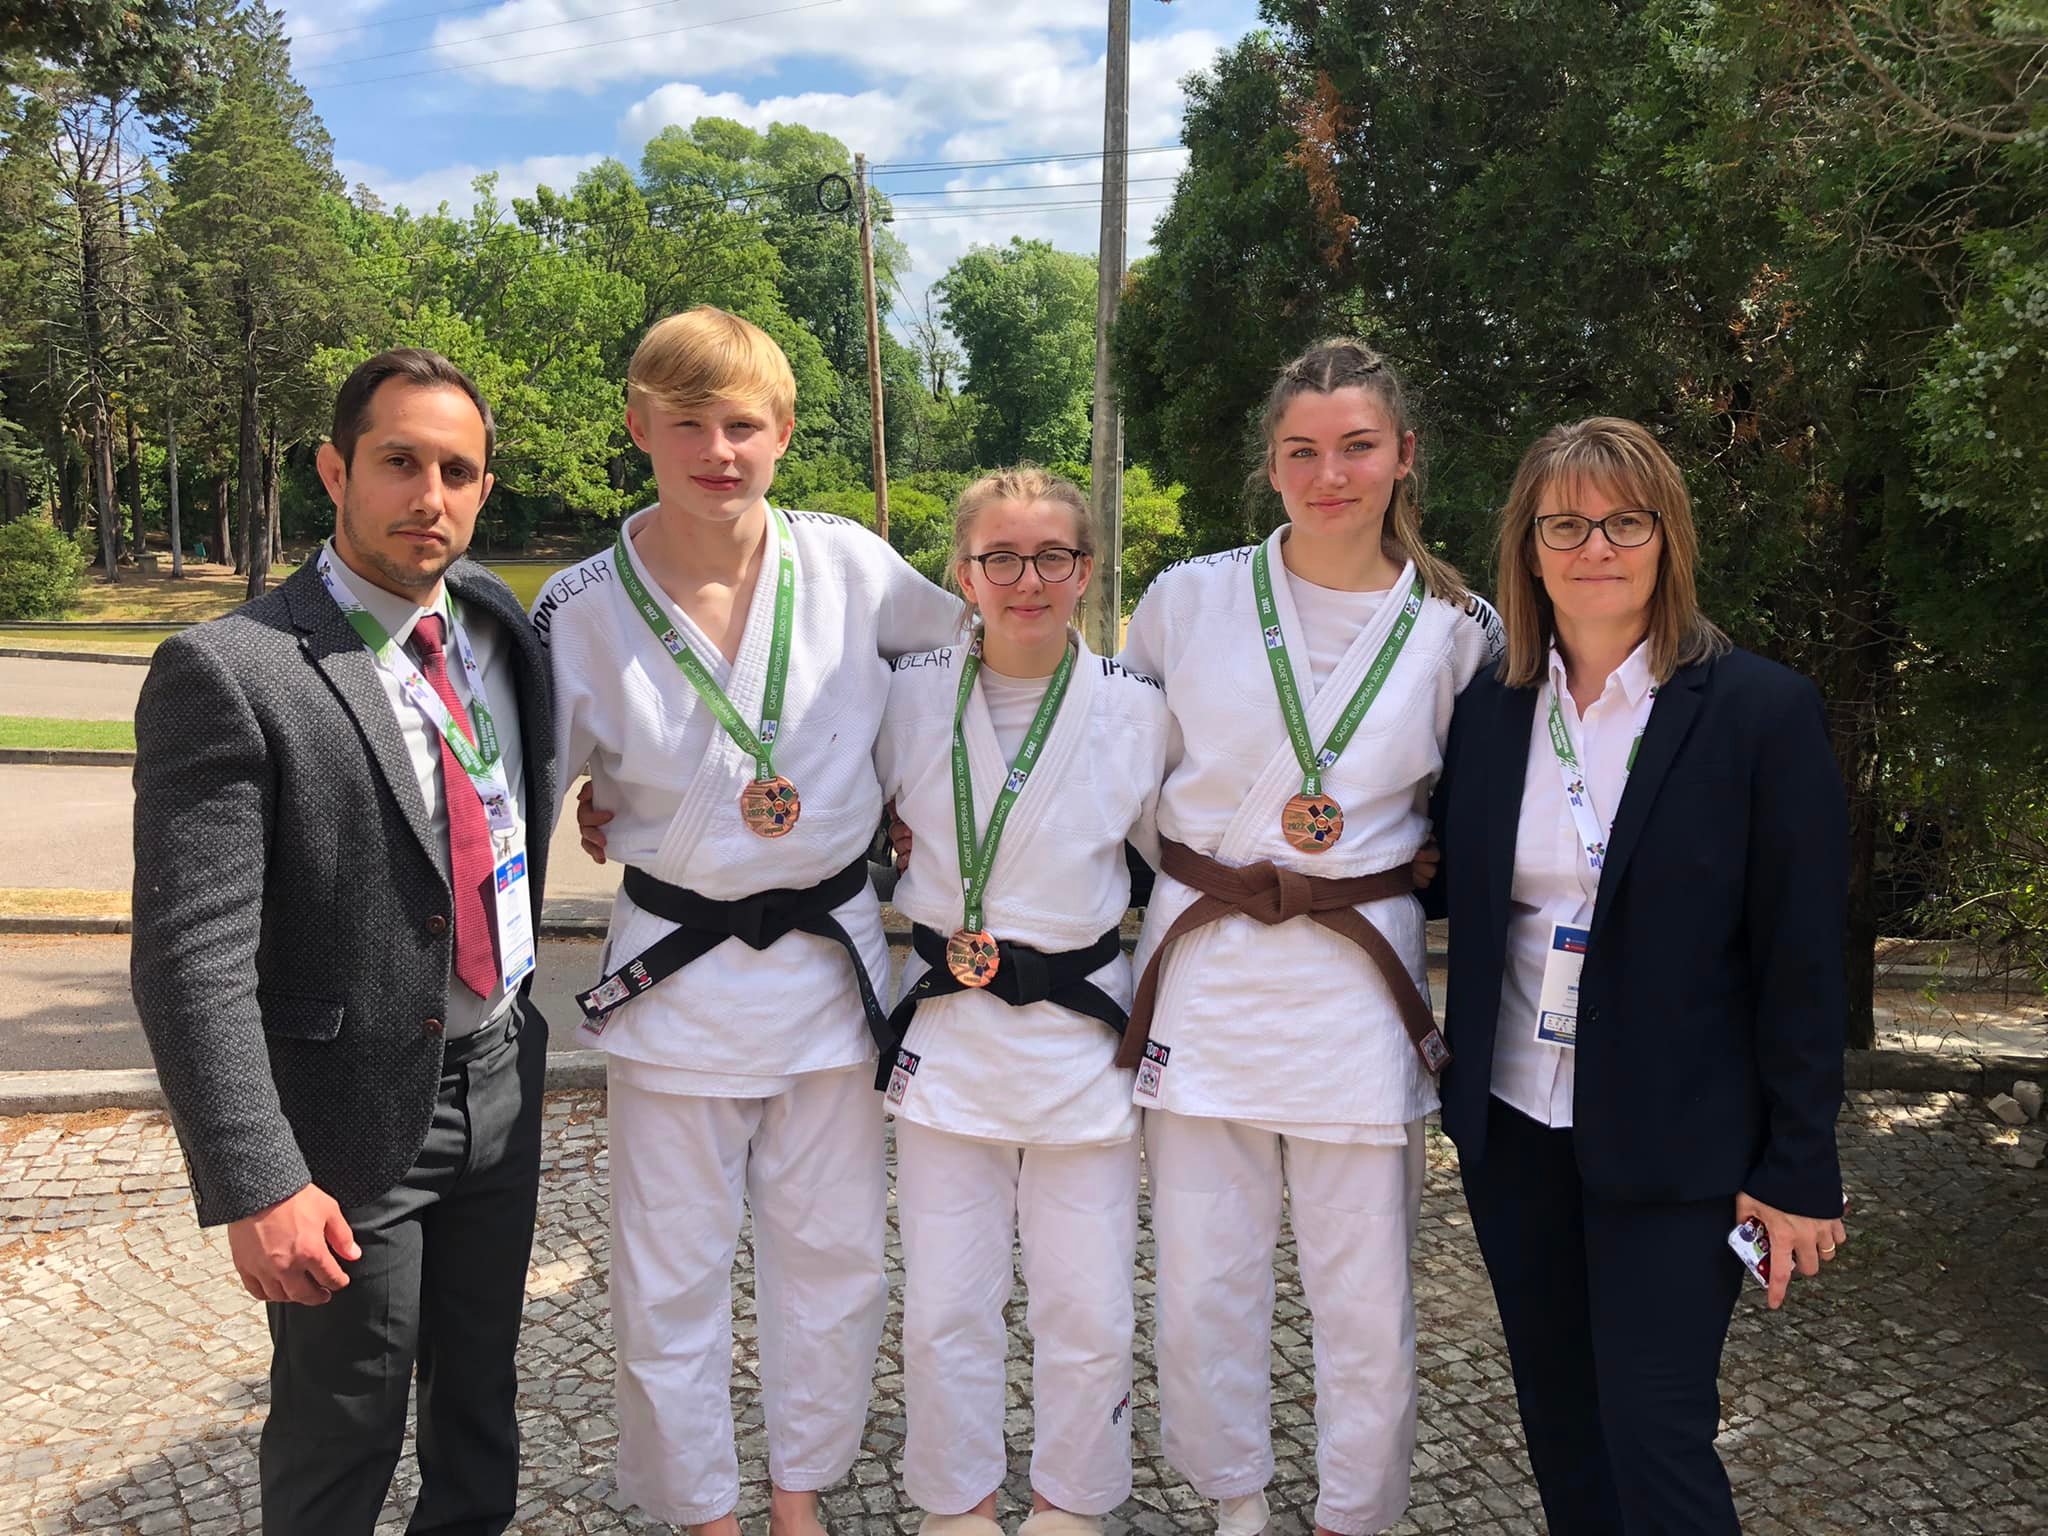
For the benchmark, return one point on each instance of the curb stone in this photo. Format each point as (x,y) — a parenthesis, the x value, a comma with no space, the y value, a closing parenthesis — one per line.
(67,757)
(111,658)
(53,1093)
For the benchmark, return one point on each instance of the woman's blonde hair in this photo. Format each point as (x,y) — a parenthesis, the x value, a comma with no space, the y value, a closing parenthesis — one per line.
(1343,363)
(704,354)
(1624,460)
(1025,483)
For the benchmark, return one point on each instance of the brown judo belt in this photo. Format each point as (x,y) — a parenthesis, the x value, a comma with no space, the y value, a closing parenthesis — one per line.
(1269,894)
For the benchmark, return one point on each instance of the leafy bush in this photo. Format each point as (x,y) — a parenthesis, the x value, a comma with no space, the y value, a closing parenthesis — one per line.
(41,570)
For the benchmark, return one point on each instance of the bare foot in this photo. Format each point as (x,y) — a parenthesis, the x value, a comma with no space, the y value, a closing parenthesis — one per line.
(792,1514)
(724,1525)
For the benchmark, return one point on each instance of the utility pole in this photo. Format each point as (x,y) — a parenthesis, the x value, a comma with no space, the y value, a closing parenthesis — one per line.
(867,277)
(1106,460)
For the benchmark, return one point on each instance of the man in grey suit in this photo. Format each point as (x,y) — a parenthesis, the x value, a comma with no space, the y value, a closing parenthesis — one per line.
(340,839)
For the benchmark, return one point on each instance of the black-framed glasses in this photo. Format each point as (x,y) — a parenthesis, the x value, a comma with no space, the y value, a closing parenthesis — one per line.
(1005,567)
(1629,529)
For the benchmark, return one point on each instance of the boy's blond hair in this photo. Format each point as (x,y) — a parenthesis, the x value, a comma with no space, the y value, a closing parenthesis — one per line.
(704,354)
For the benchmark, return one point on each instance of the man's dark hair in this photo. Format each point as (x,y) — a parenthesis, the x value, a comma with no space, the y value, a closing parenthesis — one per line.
(415,365)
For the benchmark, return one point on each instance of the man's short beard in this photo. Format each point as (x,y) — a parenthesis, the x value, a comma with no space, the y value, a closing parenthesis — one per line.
(397,578)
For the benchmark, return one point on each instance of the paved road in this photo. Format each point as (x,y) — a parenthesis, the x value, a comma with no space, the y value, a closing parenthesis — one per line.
(64,1001)
(82,838)
(1907,1392)
(68,690)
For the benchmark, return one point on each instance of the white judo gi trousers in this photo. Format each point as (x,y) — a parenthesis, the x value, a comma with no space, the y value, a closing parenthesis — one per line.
(809,1164)
(958,1201)
(1216,1193)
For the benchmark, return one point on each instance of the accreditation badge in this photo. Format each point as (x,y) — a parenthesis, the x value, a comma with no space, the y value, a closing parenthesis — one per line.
(1557,1007)
(515,918)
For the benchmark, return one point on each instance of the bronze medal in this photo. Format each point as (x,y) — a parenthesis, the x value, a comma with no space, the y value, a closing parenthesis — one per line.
(770,807)
(1312,823)
(971,957)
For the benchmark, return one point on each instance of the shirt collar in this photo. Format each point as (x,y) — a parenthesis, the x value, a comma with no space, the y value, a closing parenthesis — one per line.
(1633,675)
(397,615)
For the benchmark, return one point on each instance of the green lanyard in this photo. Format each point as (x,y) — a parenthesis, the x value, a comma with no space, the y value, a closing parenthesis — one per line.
(759,747)
(977,861)
(479,760)
(1313,763)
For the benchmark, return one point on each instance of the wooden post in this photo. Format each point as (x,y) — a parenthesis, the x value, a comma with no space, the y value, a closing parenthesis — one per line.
(1106,458)
(867,275)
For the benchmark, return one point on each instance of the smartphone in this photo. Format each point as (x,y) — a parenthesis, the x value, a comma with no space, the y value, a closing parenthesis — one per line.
(1752,1245)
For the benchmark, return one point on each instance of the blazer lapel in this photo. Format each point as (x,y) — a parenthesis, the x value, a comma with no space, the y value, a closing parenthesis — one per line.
(1671,721)
(1508,767)
(333,646)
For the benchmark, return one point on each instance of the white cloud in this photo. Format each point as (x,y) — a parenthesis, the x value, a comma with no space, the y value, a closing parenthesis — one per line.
(426,191)
(874,122)
(320,29)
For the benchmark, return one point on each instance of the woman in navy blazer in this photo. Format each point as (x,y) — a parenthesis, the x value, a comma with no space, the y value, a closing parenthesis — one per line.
(1634,805)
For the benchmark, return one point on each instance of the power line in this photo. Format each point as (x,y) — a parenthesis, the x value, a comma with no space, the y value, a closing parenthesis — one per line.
(546,53)
(486,37)
(919,167)
(1020,186)
(976,213)
(392,21)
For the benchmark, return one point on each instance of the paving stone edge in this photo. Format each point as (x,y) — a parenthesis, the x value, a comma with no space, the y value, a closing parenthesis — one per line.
(50,1093)
(67,757)
(107,658)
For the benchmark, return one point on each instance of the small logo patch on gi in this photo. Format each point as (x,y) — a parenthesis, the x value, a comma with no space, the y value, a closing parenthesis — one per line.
(1152,1070)
(899,1079)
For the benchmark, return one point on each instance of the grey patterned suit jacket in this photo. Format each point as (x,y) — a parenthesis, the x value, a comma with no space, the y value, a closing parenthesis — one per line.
(292,944)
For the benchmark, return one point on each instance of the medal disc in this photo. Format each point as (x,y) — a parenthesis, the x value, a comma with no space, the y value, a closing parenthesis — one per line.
(770,806)
(1312,823)
(971,957)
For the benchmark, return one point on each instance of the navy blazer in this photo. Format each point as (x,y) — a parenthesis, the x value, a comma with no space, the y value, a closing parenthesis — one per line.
(1712,1005)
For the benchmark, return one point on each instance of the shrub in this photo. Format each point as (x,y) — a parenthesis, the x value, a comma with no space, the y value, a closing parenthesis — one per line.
(41,570)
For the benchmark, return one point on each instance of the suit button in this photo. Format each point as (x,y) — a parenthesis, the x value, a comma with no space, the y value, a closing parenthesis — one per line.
(437,925)
(431,1026)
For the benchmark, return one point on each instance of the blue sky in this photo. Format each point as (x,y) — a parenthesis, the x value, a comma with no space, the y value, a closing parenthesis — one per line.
(549,87)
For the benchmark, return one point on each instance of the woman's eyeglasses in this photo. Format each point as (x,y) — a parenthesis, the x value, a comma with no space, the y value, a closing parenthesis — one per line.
(1568,530)
(1005,567)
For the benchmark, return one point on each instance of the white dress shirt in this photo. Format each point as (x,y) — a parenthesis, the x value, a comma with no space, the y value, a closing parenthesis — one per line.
(1552,881)
(466,1012)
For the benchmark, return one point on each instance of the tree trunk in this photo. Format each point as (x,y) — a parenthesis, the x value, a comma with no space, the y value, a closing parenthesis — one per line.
(103,499)
(223,528)
(249,490)
(273,478)
(171,484)
(138,539)
(67,490)
(1863,664)
(13,496)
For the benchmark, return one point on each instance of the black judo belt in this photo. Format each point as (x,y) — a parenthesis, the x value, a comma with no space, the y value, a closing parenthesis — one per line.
(1023,975)
(756,921)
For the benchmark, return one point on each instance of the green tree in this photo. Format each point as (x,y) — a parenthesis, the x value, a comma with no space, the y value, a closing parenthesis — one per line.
(1024,314)
(258,217)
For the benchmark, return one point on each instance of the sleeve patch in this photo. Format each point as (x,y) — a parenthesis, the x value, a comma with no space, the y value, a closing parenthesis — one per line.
(941,658)
(594,572)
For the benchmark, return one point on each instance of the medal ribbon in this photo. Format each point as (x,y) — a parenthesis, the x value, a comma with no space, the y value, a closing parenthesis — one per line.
(481,760)
(977,860)
(1313,763)
(760,747)
(1578,794)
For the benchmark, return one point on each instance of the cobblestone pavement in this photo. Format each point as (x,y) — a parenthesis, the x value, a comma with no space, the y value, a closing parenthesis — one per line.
(1908,1392)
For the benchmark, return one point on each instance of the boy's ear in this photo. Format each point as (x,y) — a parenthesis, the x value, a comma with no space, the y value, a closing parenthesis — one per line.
(636,428)
(782,441)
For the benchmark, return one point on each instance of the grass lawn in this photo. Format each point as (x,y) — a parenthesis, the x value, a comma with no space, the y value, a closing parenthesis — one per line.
(102,735)
(80,638)
(38,901)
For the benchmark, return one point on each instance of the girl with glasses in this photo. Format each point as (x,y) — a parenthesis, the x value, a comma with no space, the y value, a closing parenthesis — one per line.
(1020,762)
(1645,868)
(1290,1041)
